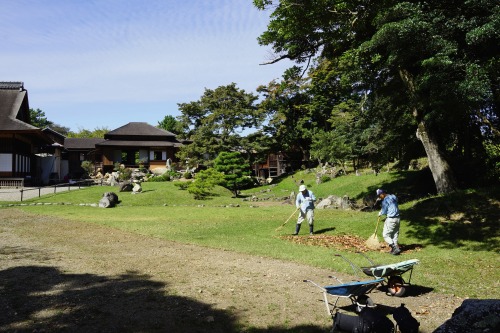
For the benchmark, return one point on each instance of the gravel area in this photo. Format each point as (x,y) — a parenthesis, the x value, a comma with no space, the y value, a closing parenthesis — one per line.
(16,194)
(65,276)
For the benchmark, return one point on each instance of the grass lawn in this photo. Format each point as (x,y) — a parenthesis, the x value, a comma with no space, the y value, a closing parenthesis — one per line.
(455,237)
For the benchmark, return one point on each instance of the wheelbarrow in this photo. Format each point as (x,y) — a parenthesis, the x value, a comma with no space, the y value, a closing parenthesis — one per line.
(396,285)
(356,291)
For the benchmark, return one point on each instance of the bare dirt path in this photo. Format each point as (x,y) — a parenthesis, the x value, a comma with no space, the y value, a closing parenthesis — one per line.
(59,275)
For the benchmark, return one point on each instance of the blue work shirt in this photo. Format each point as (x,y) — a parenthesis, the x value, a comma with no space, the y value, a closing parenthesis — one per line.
(304,204)
(390,206)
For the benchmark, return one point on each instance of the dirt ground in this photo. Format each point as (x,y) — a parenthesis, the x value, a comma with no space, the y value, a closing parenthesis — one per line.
(64,276)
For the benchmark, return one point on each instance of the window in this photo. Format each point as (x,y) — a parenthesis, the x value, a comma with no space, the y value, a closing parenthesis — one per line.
(158,155)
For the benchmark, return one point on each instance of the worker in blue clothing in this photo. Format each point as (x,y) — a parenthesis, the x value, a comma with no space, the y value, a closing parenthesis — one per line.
(305,204)
(391,225)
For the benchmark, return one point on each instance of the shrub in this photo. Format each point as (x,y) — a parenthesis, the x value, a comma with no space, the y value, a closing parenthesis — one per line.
(125,174)
(198,190)
(88,167)
(183,185)
(325,178)
(205,181)
(161,178)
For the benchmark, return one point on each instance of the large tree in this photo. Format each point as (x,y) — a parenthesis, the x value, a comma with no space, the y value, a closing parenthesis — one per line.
(214,123)
(169,123)
(438,55)
(288,120)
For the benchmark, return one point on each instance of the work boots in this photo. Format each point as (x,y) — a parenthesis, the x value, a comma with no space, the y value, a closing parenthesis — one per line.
(297,229)
(395,249)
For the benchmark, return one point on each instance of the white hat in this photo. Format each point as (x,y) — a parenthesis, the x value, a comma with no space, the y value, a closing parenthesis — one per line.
(302,188)
(380,191)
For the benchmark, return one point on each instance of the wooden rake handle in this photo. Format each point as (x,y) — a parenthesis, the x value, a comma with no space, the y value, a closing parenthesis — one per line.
(288,219)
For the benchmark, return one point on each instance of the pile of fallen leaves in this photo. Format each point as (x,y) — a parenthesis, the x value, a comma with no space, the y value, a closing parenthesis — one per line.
(343,242)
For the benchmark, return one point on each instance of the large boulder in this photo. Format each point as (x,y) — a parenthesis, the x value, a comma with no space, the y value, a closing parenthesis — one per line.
(474,316)
(108,200)
(335,202)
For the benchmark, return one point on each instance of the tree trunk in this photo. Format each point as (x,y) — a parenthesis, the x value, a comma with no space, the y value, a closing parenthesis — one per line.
(441,171)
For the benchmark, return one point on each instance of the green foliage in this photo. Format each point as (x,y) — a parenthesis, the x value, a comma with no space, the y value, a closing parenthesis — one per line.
(88,167)
(187,175)
(214,122)
(183,185)
(204,182)
(165,177)
(493,160)
(235,170)
(290,122)
(325,179)
(169,123)
(38,118)
(379,71)
(97,132)
(124,174)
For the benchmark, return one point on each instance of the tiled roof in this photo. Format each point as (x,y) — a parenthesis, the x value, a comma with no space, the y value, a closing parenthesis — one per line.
(139,129)
(131,143)
(11,85)
(81,143)
(14,104)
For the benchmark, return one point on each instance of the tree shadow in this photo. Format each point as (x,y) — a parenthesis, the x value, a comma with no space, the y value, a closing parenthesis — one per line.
(464,220)
(36,298)
(45,299)
(407,185)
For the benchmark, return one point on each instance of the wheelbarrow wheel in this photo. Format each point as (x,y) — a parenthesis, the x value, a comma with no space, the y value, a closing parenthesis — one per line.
(396,286)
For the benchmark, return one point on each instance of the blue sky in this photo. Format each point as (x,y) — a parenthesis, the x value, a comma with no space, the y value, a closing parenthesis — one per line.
(104,63)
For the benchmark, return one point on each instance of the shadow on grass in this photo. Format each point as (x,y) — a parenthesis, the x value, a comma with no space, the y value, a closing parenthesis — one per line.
(324,230)
(467,220)
(407,185)
(45,299)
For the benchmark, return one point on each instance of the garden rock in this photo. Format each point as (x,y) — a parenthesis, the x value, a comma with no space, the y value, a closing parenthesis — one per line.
(137,188)
(126,186)
(474,316)
(108,200)
(333,201)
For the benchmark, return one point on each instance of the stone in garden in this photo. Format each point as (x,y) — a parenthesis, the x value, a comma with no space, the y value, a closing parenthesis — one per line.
(474,316)
(108,200)
(137,188)
(126,186)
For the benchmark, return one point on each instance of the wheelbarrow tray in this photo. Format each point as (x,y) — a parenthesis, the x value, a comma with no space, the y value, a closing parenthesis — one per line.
(353,289)
(399,268)
(356,291)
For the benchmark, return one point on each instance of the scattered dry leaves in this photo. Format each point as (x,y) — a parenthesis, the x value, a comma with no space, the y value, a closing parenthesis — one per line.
(343,242)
